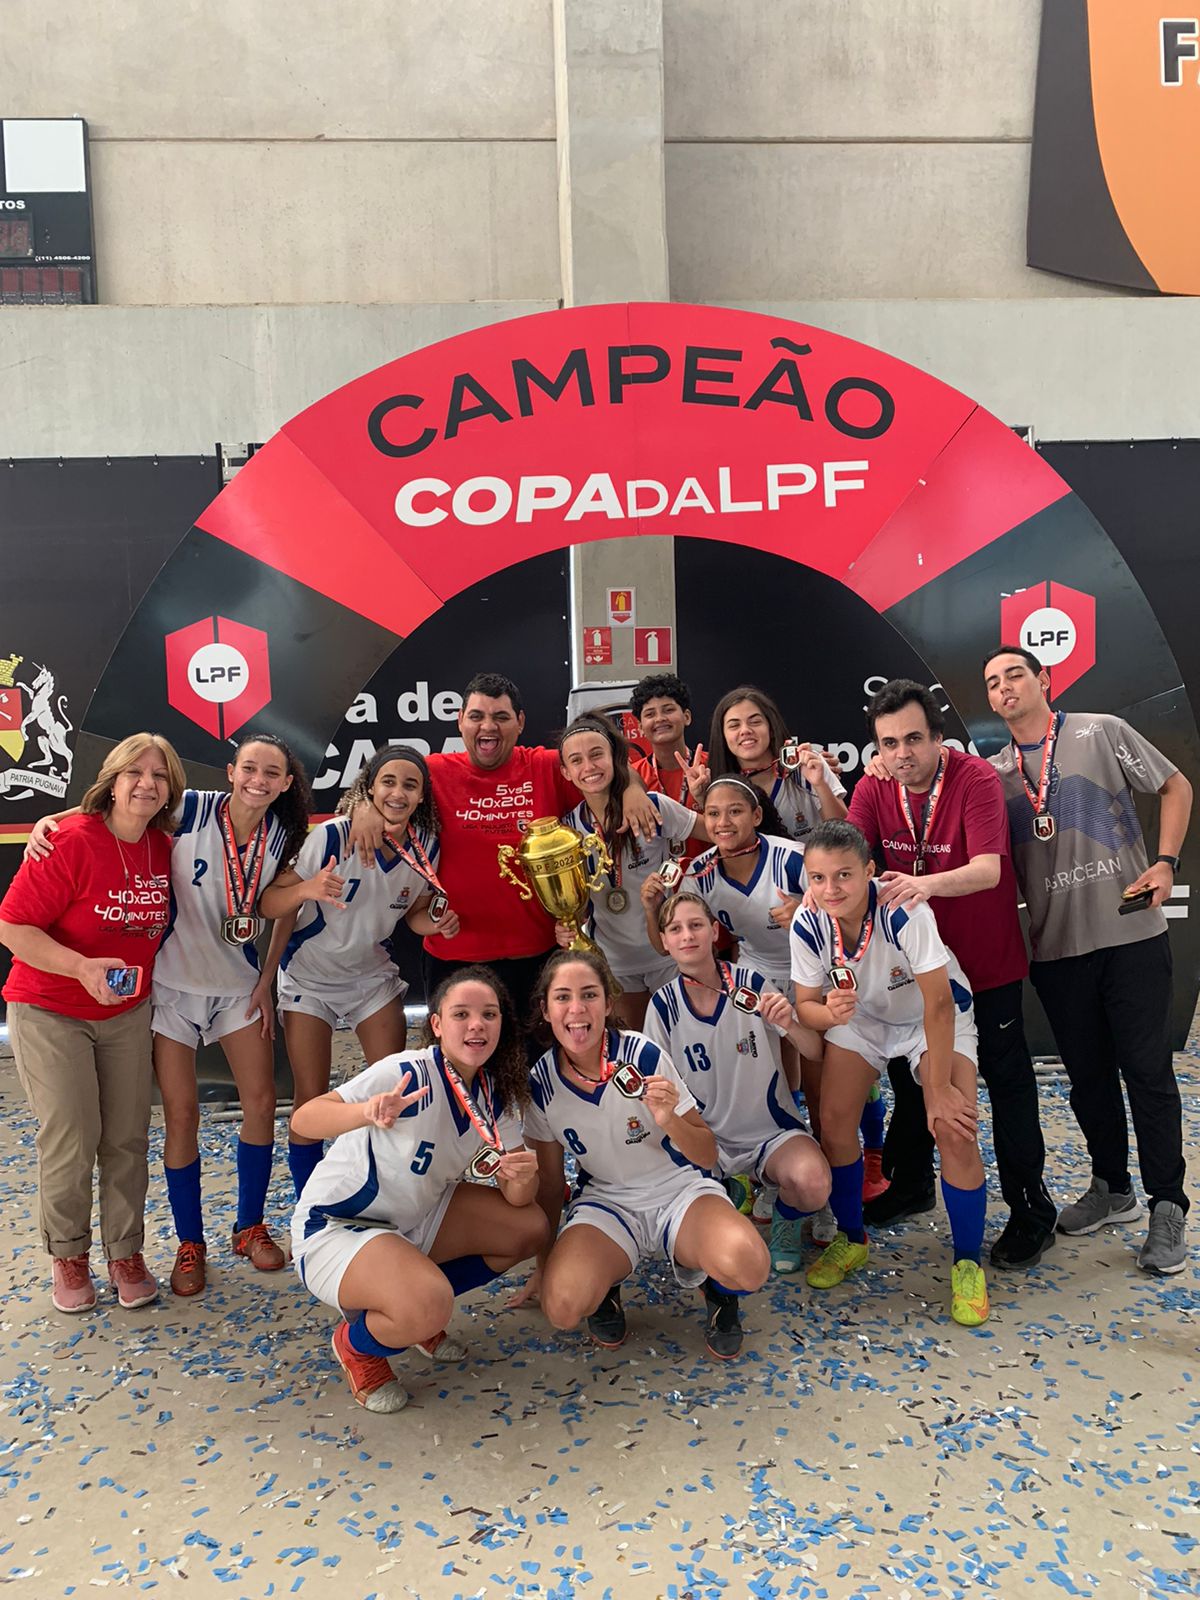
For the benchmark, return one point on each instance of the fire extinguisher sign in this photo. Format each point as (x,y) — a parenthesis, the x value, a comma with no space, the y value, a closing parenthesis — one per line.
(621,606)
(652,647)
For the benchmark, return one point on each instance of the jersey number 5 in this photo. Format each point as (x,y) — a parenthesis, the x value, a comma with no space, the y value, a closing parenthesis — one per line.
(424,1155)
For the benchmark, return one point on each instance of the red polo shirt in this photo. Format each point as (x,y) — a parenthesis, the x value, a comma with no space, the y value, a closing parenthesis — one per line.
(983,929)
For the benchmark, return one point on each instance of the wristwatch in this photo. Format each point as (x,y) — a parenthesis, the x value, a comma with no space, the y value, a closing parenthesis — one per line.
(1172,862)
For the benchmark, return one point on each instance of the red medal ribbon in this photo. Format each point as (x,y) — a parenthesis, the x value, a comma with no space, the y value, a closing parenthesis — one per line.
(724,973)
(241,883)
(486,1131)
(425,869)
(935,794)
(606,1066)
(1038,800)
(840,958)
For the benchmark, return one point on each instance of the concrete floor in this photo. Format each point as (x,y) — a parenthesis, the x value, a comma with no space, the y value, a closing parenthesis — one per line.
(864,1445)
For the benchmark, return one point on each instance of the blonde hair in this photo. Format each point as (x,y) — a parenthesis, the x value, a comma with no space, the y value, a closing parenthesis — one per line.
(98,797)
(685,897)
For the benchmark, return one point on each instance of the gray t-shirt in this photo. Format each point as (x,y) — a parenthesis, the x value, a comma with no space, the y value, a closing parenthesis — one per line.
(1073,882)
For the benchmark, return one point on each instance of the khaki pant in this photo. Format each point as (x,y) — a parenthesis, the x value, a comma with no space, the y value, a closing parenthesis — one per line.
(89,1085)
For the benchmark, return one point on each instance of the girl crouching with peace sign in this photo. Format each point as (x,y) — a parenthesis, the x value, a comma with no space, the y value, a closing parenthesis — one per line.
(387,1231)
(616,1101)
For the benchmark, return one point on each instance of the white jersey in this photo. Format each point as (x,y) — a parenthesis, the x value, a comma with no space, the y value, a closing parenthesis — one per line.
(903,945)
(745,908)
(331,948)
(193,956)
(618,1146)
(394,1177)
(730,1061)
(796,801)
(622,934)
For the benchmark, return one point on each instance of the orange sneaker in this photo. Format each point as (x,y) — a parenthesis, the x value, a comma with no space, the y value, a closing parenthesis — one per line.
(372,1382)
(874,1182)
(257,1245)
(187,1275)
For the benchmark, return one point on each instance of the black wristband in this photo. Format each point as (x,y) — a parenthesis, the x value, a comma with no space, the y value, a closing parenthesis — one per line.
(1172,862)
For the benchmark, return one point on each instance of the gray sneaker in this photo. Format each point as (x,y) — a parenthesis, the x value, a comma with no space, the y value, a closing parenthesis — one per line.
(1099,1208)
(1163,1251)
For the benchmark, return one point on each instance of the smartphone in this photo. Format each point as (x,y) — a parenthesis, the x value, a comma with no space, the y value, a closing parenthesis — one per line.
(125,981)
(1135,902)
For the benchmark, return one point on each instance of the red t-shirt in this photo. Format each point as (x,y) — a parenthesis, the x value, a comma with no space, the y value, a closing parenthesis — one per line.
(80,897)
(481,810)
(660,780)
(982,929)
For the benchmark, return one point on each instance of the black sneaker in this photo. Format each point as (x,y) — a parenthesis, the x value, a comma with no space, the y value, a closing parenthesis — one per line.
(894,1204)
(1022,1244)
(607,1323)
(723,1334)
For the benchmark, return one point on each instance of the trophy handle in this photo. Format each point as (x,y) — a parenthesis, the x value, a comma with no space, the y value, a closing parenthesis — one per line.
(504,853)
(593,841)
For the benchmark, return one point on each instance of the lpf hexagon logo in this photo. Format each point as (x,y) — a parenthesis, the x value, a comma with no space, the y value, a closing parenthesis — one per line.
(218,674)
(1058,625)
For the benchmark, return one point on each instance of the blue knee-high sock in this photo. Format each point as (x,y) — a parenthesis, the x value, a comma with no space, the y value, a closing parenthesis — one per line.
(721,1288)
(467,1272)
(871,1123)
(364,1341)
(303,1160)
(790,1213)
(254,1175)
(845,1199)
(183,1191)
(966,1209)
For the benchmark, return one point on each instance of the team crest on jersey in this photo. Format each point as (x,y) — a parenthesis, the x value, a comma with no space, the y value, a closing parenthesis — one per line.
(400,903)
(897,978)
(747,1046)
(635,1132)
(31,714)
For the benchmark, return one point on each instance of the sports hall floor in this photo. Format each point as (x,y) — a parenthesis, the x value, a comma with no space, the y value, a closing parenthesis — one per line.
(863,1446)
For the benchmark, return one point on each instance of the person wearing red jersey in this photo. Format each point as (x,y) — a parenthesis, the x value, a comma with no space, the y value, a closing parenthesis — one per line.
(939,817)
(662,704)
(486,796)
(84,927)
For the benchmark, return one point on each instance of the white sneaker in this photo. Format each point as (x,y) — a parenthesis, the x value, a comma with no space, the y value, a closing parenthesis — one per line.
(443,1347)
(822,1226)
(764,1204)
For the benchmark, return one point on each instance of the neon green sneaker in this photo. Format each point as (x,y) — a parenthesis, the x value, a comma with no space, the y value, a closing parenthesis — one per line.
(837,1260)
(968,1294)
(741,1192)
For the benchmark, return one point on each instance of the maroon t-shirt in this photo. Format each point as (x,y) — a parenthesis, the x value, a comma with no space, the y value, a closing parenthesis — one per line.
(983,929)
(82,897)
(481,810)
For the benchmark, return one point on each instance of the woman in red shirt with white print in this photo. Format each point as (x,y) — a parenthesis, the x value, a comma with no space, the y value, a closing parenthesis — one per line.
(84,926)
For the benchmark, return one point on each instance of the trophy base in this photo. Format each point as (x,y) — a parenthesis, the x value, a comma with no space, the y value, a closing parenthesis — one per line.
(582,942)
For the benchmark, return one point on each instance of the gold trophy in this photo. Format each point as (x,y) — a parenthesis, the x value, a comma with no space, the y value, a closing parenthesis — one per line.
(554,857)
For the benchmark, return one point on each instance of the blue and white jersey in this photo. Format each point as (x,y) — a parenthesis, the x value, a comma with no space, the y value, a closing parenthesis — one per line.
(394,1177)
(745,908)
(622,934)
(193,956)
(330,948)
(903,944)
(730,1061)
(618,1147)
(796,801)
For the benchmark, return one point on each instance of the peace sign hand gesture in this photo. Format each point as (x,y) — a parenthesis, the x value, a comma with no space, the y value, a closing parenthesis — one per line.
(696,772)
(381,1110)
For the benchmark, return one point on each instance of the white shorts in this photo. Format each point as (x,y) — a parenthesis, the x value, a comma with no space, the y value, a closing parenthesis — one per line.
(877,1042)
(322,1259)
(753,1160)
(345,1005)
(644,1231)
(196,1019)
(650,974)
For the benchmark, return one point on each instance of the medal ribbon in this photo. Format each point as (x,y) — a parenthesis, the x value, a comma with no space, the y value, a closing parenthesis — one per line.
(425,869)
(1038,800)
(241,884)
(486,1131)
(935,794)
(840,958)
(724,973)
(606,1066)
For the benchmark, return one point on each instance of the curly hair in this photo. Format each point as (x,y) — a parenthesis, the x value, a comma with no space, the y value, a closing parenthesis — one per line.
(614,811)
(425,814)
(538,1026)
(293,807)
(508,1068)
